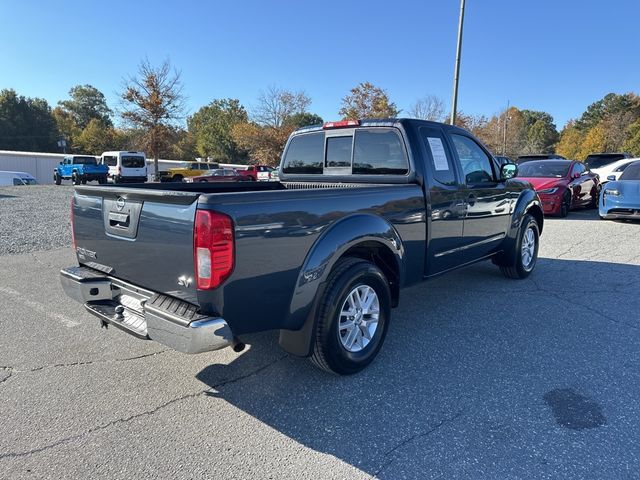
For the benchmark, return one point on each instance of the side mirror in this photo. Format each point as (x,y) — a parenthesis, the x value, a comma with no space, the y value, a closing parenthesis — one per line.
(576,175)
(60,163)
(508,170)
(611,178)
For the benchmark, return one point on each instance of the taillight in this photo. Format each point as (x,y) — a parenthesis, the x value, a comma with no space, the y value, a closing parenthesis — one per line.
(212,248)
(341,124)
(73,227)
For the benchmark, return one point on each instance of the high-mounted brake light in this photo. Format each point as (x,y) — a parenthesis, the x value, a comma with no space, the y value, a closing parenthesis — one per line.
(212,249)
(341,124)
(73,227)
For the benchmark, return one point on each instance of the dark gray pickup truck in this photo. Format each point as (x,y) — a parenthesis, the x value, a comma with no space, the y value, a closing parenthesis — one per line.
(362,209)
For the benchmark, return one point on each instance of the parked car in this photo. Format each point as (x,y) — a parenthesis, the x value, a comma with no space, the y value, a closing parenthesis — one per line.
(185,170)
(538,156)
(561,184)
(125,166)
(219,175)
(599,160)
(613,169)
(80,169)
(621,197)
(257,172)
(349,224)
(16,178)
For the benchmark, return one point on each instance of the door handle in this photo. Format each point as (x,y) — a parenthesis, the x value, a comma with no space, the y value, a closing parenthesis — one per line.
(471,199)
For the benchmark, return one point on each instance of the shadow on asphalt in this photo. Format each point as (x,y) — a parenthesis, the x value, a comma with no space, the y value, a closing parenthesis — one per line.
(469,375)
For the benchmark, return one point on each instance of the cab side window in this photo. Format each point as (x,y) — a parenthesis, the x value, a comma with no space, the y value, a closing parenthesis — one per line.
(476,164)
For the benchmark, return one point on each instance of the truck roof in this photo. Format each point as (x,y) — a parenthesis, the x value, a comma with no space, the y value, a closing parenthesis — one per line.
(375,122)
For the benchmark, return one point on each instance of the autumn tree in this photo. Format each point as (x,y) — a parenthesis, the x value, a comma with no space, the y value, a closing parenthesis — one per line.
(275,105)
(87,103)
(304,119)
(211,128)
(570,143)
(594,141)
(632,142)
(264,144)
(367,101)
(154,103)
(428,107)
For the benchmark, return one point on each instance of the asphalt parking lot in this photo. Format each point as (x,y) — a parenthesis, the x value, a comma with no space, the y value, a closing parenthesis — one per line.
(480,376)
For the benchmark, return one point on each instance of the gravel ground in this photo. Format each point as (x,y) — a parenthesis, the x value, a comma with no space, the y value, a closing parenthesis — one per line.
(34,218)
(480,377)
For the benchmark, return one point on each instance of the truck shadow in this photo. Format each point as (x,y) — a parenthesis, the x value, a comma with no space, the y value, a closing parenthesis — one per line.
(462,377)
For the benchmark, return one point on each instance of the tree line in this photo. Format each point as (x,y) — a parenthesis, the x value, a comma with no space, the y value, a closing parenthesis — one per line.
(152,115)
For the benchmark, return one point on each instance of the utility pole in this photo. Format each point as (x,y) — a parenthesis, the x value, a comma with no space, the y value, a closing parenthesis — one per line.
(504,138)
(454,101)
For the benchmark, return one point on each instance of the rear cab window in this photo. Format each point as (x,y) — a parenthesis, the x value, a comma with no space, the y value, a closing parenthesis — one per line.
(359,151)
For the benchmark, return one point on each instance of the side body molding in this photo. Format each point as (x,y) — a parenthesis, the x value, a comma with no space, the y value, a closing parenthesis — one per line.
(352,231)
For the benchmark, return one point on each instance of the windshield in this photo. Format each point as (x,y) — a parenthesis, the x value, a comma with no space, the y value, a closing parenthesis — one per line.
(85,161)
(132,161)
(545,168)
(597,161)
(632,172)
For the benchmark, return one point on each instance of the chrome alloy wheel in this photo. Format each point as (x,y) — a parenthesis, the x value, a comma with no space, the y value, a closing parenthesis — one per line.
(528,250)
(359,318)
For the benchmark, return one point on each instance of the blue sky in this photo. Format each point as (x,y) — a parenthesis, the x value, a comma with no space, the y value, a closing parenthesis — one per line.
(558,56)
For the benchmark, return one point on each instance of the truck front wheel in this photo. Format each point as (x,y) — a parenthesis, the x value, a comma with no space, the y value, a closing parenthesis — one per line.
(56,178)
(353,316)
(526,249)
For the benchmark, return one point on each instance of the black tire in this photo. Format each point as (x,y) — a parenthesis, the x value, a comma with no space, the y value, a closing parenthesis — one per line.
(75,179)
(102,180)
(329,352)
(594,199)
(83,181)
(176,178)
(56,178)
(565,206)
(115,179)
(518,269)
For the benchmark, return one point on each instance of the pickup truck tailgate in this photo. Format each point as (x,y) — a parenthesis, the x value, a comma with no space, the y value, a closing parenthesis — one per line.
(141,236)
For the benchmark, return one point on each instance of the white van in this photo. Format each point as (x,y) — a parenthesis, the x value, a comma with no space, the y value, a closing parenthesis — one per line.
(16,178)
(125,166)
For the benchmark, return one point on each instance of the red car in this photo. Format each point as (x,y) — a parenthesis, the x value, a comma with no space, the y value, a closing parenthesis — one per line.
(561,184)
(218,175)
(257,172)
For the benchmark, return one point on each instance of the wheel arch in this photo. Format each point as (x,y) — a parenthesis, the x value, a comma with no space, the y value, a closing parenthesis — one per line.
(365,236)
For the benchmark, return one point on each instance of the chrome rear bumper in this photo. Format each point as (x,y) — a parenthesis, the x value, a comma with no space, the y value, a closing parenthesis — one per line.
(146,314)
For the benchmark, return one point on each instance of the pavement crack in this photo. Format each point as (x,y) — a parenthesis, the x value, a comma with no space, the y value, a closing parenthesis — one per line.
(145,413)
(88,362)
(388,454)
(9,371)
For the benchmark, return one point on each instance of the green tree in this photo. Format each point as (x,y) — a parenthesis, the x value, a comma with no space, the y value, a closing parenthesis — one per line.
(632,143)
(87,103)
(304,119)
(154,104)
(367,101)
(211,128)
(610,104)
(67,126)
(95,138)
(26,123)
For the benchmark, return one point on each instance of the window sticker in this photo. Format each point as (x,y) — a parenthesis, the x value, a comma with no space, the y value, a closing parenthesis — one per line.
(438,153)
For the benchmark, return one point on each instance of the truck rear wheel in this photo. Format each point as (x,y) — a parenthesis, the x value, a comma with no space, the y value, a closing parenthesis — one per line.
(353,316)
(75,179)
(526,245)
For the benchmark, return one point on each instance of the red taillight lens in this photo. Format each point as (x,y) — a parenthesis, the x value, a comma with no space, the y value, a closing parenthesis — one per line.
(341,124)
(73,227)
(212,248)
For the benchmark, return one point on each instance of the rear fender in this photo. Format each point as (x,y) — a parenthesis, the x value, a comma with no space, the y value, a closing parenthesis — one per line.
(344,235)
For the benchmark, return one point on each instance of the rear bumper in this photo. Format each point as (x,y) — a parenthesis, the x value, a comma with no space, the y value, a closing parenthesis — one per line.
(145,314)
